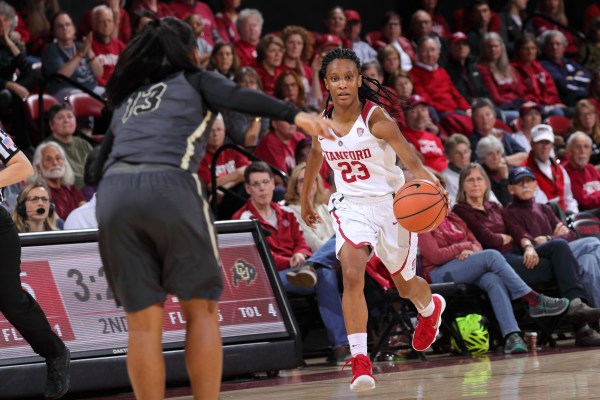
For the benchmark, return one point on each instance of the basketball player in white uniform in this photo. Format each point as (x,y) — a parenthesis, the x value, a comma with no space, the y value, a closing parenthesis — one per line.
(363,158)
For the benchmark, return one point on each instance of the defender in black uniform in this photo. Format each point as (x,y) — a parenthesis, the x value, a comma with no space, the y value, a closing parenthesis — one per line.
(17,305)
(156,231)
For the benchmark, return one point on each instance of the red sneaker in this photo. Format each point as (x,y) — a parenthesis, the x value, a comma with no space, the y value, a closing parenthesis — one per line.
(428,327)
(363,378)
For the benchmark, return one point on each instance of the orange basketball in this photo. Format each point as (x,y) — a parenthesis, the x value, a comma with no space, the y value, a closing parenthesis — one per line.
(419,206)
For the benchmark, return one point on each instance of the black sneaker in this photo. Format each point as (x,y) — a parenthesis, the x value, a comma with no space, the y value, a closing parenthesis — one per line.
(514,344)
(586,336)
(304,277)
(340,355)
(57,378)
(579,312)
(548,307)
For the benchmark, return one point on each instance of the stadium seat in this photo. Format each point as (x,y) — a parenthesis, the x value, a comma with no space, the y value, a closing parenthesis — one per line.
(561,125)
(31,105)
(85,105)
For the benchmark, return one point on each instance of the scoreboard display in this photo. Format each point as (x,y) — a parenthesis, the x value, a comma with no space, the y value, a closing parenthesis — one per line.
(68,280)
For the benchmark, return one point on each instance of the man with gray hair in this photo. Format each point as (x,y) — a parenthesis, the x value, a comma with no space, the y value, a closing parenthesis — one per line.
(571,78)
(585,178)
(105,46)
(249,25)
(51,166)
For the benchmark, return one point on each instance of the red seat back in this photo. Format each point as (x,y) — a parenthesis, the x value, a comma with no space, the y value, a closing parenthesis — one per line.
(32,105)
(560,125)
(85,105)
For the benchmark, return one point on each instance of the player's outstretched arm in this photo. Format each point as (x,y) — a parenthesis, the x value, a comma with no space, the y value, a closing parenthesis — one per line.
(313,166)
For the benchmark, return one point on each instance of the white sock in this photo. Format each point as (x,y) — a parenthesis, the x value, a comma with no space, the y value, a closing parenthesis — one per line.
(358,344)
(428,311)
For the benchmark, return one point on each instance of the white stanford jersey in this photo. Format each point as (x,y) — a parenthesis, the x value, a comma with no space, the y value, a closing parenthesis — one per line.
(364,166)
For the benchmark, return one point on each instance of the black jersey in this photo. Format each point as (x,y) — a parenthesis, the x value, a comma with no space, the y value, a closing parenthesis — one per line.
(165,123)
(7,150)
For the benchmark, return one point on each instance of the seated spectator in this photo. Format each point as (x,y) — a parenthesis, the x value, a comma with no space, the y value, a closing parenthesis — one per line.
(589,53)
(14,88)
(184,8)
(462,69)
(289,87)
(439,24)
(269,55)
(121,20)
(226,19)
(586,120)
(453,254)
(484,121)
(389,59)
(70,58)
(594,90)
(553,181)
(298,52)
(315,238)
(584,176)
(50,165)
(391,33)
(421,26)
(204,47)
(535,82)
(512,18)
(34,211)
(140,18)
(499,77)
(106,47)
(479,14)
(229,170)
(37,16)
(83,217)
(570,78)
(352,31)
(244,129)
(552,261)
(89,174)
(224,60)
(458,152)
(249,25)
(335,24)
(530,115)
(62,128)
(157,8)
(289,250)
(426,143)
(435,85)
(543,225)
(591,13)
(278,146)
(554,11)
(490,154)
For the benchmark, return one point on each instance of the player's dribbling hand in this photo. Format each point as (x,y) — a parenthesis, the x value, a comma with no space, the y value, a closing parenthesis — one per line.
(315,126)
(309,215)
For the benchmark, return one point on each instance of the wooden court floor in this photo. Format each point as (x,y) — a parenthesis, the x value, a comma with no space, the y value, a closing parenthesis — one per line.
(563,373)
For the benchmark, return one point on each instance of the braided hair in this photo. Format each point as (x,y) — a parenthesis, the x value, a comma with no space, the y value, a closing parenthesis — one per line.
(383,96)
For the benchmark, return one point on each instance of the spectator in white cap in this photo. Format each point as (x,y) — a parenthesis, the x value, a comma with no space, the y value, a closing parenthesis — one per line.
(553,181)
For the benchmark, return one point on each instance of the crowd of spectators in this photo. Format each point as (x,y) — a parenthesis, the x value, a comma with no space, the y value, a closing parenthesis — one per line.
(480,85)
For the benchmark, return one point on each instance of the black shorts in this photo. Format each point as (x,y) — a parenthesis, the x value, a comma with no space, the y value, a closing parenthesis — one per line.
(156,236)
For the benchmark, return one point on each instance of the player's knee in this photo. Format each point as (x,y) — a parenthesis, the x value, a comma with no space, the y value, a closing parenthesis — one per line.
(354,277)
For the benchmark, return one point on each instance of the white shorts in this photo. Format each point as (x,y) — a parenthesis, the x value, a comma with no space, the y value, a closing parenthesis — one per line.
(370,221)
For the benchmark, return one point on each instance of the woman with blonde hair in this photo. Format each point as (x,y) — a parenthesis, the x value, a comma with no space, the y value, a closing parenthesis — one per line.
(499,77)
(587,121)
(315,238)
(34,211)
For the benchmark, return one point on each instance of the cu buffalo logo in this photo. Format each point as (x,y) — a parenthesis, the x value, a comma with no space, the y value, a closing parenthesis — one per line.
(243,272)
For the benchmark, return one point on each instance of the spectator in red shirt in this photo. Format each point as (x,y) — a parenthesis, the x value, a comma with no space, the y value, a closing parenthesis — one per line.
(226,20)
(158,8)
(288,87)
(106,47)
(534,80)
(249,24)
(587,120)
(585,178)
(391,33)
(121,18)
(426,143)
(335,24)
(269,55)
(499,77)
(183,8)
(229,170)
(278,146)
(299,51)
